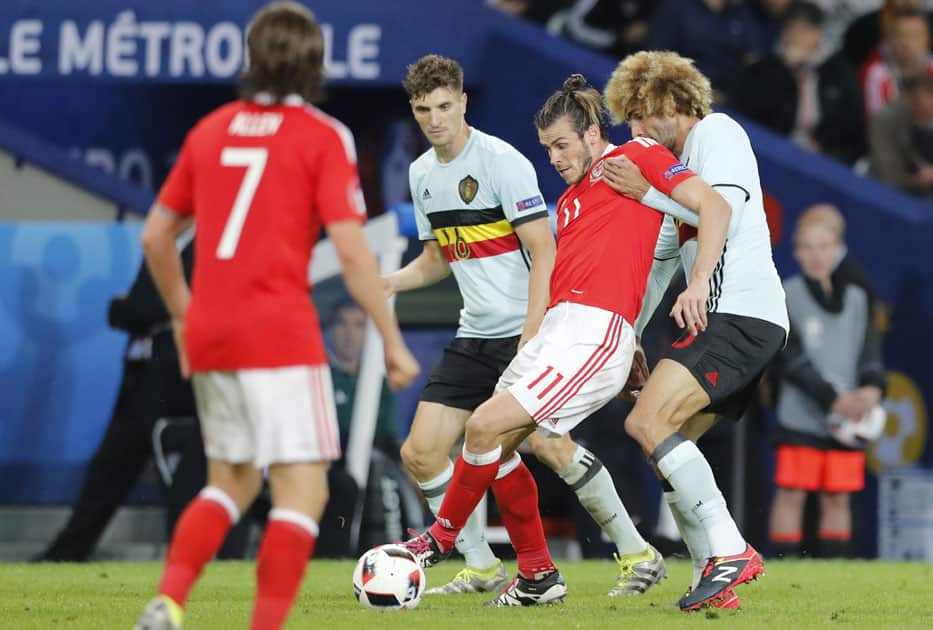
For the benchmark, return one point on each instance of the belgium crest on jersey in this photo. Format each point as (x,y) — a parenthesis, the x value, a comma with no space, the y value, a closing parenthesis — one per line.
(468,187)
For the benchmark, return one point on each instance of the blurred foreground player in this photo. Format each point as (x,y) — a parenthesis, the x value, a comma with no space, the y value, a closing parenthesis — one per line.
(260,177)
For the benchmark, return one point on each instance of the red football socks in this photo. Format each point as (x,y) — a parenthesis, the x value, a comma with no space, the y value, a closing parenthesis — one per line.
(517,497)
(283,555)
(200,532)
(467,487)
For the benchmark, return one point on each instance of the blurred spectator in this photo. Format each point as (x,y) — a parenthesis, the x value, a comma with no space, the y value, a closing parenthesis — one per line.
(401,147)
(832,364)
(905,51)
(126,447)
(840,14)
(862,38)
(901,139)
(770,16)
(614,27)
(533,10)
(721,36)
(151,388)
(347,332)
(390,504)
(815,103)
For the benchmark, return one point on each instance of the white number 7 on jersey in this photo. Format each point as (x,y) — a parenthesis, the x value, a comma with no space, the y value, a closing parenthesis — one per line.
(255,162)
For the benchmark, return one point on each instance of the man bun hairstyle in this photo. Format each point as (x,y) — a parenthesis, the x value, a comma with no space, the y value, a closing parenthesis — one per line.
(579,102)
(285,53)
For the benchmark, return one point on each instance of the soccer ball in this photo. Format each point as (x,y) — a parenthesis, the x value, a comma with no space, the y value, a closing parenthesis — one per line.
(388,577)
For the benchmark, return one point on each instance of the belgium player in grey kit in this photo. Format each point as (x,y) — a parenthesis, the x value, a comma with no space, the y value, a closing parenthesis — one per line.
(713,370)
(481,217)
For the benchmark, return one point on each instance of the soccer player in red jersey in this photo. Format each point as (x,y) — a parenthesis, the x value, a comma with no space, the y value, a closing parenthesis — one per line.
(261,177)
(581,356)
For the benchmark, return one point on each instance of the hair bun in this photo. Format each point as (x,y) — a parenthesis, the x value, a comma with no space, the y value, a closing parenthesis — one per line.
(575,82)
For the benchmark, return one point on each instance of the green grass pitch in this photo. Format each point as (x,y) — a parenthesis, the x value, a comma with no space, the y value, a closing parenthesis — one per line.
(807,594)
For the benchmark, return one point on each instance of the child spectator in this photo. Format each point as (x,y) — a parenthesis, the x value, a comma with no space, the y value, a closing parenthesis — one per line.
(832,364)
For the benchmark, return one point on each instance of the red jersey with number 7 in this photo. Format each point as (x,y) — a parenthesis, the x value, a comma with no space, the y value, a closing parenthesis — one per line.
(605,242)
(261,182)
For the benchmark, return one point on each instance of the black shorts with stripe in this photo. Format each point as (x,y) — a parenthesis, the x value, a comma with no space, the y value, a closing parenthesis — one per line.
(728,359)
(467,373)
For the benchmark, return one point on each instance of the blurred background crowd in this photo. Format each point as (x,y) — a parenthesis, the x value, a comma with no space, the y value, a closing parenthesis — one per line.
(848,79)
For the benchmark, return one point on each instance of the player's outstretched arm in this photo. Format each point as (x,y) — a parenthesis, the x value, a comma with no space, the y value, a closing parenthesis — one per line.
(361,276)
(536,236)
(158,242)
(429,267)
(715,212)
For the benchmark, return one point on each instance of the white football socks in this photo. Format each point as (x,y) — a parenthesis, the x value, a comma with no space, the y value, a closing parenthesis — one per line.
(592,483)
(693,534)
(688,472)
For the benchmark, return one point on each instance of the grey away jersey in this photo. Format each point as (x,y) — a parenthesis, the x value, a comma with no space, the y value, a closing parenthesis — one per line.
(745,282)
(471,206)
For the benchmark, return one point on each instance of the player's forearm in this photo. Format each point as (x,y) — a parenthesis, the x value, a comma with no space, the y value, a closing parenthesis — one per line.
(539,294)
(662,270)
(711,235)
(713,226)
(165,267)
(654,198)
(361,277)
(427,269)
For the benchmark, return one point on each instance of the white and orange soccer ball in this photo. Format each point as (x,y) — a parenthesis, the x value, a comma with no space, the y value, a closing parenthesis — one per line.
(388,577)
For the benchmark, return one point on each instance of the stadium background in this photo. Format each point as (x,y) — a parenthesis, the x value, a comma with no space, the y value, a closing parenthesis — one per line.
(101,93)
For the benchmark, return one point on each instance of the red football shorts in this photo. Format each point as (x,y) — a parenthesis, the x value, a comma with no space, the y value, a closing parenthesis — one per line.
(813,469)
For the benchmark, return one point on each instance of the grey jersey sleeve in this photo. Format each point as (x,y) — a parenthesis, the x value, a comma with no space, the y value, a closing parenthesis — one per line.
(654,198)
(735,197)
(666,262)
(516,185)
(425,233)
(725,160)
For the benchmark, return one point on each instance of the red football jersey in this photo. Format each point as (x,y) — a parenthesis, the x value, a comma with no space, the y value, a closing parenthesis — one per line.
(605,242)
(261,182)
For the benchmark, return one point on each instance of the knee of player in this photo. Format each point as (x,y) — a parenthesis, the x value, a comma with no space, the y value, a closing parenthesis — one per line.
(553,453)
(481,435)
(418,461)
